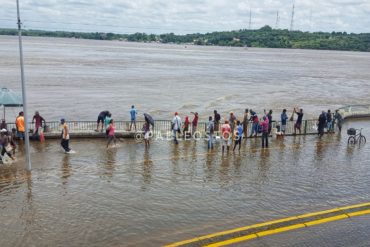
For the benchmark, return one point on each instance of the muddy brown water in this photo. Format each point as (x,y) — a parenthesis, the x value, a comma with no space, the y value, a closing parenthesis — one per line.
(77,79)
(127,196)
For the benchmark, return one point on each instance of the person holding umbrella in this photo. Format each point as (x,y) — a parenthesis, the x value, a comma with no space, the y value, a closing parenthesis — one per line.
(148,121)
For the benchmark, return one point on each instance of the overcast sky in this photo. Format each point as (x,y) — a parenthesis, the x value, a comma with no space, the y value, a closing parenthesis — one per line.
(186,16)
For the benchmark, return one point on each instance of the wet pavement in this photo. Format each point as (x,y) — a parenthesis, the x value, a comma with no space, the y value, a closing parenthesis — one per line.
(354,232)
(127,196)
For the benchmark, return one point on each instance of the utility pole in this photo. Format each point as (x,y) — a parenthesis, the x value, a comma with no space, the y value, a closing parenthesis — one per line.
(292,20)
(250,19)
(277,20)
(27,138)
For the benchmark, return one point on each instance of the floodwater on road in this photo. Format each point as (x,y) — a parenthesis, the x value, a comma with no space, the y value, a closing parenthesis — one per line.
(77,79)
(129,196)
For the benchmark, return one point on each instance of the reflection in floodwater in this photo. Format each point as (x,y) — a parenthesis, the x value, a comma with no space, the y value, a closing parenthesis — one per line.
(264,164)
(224,175)
(28,214)
(66,169)
(147,169)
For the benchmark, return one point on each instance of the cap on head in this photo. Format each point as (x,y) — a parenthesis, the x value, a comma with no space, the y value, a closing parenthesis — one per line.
(62,120)
(3,130)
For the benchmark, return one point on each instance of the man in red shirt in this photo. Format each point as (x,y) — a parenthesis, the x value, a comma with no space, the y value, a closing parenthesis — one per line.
(194,123)
(226,135)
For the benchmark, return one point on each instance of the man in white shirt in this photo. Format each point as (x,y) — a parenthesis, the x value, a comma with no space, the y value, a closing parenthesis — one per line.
(176,126)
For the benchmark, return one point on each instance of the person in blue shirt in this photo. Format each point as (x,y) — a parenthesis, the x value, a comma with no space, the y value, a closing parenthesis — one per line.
(238,135)
(284,118)
(133,113)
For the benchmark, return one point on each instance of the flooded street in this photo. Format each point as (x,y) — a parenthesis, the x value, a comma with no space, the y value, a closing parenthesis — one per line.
(77,79)
(127,196)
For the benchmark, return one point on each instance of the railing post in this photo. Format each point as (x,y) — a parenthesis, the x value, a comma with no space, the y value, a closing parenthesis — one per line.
(305,126)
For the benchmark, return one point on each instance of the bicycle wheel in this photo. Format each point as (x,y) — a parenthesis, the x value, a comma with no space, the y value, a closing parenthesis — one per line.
(351,140)
(362,140)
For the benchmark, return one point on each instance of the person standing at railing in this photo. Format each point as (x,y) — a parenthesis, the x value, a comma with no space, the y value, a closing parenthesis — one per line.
(194,123)
(217,120)
(37,119)
(329,121)
(146,129)
(186,127)
(101,118)
(238,135)
(255,123)
(211,130)
(176,126)
(298,123)
(321,124)
(339,120)
(226,136)
(284,118)
(269,116)
(133,114)
(107,122)
(265,131)
(232,121)
(111,135)
(19,124)
(245,123)
(65,136)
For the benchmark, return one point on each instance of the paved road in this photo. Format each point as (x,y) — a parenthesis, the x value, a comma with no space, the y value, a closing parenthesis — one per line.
(353,232)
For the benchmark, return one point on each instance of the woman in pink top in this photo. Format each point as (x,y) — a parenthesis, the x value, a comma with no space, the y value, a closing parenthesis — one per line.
(110,130)
(265,132)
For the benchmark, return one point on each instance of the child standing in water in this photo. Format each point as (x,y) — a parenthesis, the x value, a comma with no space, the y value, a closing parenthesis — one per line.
(111,136)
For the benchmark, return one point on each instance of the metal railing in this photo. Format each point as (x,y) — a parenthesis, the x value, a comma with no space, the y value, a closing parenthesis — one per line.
(160,126)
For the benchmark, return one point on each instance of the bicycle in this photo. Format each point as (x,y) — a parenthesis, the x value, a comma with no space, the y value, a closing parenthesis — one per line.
(355,136)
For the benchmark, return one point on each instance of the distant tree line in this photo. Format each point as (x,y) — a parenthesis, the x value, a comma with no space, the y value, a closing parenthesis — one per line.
(263,37)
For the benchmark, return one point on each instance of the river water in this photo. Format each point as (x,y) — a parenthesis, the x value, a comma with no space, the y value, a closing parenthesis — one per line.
(77,79)
(128,196)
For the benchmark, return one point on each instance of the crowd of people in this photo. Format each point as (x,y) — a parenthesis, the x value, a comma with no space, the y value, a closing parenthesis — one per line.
(8,137)
(231,130)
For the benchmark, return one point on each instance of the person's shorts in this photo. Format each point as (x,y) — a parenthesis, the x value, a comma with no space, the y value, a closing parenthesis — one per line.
(147,135)
(283,127)
(297,125)
(20,135)
(226,142)
(100,119)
